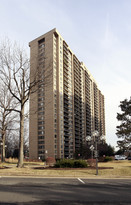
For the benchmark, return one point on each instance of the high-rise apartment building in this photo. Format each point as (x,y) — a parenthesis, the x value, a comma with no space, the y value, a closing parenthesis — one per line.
(67,105)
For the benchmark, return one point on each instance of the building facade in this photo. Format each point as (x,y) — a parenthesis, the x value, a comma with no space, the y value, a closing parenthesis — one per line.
(67,105)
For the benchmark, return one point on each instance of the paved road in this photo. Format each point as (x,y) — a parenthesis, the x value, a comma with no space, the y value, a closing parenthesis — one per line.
(52,191)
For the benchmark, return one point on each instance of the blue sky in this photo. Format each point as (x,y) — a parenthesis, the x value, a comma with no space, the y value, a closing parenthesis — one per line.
(97,31)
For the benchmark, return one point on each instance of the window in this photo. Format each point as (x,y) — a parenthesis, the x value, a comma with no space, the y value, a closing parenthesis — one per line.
(40,94)
(40,132)
(40,99)
(41,104)
(41,123)
(41,152)
(41,108)
(40,118)
(40,137)
(41,128)
(41,142)
(41,41)
(41,147)
(40,113)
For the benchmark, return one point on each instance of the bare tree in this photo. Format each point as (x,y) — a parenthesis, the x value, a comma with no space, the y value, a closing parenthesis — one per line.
(14,72)
(6,116)
(12,141)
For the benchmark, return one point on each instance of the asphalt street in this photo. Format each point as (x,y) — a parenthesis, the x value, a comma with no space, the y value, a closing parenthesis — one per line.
(56,191)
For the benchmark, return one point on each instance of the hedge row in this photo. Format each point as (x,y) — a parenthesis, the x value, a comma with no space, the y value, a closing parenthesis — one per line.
(70,163)
(107,159)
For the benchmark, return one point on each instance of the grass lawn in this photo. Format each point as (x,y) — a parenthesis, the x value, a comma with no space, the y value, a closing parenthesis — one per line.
(114,169)
(120,169)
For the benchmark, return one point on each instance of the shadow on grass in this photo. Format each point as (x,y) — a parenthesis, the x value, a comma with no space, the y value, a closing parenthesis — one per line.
(4,167)
(66,168)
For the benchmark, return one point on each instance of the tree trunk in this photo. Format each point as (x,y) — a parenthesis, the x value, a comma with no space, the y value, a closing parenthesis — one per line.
(3,147)
(21,140)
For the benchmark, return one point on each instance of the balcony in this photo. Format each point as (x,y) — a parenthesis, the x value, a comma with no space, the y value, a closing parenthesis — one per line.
(66,105)
(66,141)
(66,119)
(65,87)
(66,135)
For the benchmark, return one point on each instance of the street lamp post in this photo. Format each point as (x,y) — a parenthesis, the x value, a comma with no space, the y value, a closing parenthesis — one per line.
(92,150)
(94,138)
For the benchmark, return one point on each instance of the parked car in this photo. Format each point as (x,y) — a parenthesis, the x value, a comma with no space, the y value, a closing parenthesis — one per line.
(129,158)
(120,157)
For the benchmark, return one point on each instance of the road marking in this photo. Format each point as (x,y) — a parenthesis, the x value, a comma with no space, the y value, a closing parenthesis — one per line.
(81,181)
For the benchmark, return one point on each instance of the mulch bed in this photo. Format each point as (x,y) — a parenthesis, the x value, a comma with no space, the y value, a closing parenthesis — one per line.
(53,168)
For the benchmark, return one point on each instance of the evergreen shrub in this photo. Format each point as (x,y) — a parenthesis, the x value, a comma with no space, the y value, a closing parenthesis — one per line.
(70,163)
(107,159)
